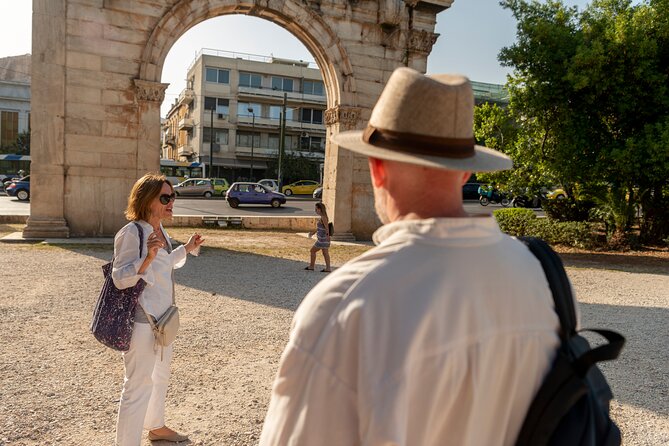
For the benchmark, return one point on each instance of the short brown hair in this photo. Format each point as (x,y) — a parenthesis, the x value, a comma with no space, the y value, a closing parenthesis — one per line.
(142,194)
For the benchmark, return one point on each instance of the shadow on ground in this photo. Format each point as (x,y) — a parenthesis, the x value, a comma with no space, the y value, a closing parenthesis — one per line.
(639,376)
(257,278)
(617,262)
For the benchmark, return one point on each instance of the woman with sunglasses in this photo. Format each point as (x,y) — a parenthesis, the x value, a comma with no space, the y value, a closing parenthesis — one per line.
(142,404)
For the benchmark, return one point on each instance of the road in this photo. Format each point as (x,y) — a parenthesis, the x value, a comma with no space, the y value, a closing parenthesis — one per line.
(298,206)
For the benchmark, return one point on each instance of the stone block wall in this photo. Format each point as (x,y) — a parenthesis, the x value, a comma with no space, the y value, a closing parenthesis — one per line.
(97,93)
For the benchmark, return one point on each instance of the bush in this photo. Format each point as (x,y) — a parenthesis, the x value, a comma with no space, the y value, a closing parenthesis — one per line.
(570,233)
(519,222)
(568,210)
(514,221)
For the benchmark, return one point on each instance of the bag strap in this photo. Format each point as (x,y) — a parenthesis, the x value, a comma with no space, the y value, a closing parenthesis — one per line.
(605,352)
(566,310)
(558,282)
(140,232)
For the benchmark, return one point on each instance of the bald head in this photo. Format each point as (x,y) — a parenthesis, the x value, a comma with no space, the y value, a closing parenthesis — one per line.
(408,191)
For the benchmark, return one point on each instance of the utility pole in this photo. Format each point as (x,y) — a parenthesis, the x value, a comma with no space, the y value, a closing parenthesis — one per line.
(211,146)
(253,137)
(282,118)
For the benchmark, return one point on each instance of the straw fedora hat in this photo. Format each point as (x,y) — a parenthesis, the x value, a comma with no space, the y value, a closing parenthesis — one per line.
(425,120)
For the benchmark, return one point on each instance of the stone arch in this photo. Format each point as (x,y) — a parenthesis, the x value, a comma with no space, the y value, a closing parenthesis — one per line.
(96,94)
(304,23)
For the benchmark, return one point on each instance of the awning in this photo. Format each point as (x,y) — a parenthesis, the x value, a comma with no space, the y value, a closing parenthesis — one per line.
(12,157)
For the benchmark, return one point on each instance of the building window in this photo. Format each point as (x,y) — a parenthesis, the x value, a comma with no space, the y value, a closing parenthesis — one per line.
(275,112)
(9,127)
(220,136)
(243,109)
(220,105)
(292,142)
(282,83)
(273,141)
(313,87)
(216,75)
(312,116)
(244,139)
(250,80)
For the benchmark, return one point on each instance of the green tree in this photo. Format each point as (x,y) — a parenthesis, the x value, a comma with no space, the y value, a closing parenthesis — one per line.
(595,84)
(294,167)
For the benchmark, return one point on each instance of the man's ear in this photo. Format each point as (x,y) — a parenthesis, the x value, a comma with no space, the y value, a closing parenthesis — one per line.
(377,169)
(465,177)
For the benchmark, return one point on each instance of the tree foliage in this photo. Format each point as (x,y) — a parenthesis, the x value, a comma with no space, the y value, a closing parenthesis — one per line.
(589,103)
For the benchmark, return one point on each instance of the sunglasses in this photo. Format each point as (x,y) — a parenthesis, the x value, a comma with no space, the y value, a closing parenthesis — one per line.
(165,199)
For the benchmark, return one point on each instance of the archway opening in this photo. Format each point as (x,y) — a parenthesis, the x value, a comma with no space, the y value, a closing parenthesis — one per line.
(250,108)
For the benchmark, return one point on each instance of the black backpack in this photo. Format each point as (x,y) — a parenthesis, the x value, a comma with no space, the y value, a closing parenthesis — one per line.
(572,404)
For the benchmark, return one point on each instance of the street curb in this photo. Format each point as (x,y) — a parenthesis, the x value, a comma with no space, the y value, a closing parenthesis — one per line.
(300,223)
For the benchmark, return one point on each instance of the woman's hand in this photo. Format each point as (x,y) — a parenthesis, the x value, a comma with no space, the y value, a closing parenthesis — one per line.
(194,242)
(153,244)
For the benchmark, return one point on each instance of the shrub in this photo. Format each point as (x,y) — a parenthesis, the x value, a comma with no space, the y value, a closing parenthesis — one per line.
(520,222)
(570,233)
(514,221)
(568,210)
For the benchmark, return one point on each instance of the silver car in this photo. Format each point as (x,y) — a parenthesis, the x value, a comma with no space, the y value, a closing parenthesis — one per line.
(198,187)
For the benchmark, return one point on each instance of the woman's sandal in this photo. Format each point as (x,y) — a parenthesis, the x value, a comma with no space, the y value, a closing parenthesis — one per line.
(326,270)
(308,269)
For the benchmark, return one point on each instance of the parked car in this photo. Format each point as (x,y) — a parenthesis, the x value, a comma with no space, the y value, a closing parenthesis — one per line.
(253,193)
(318,192)
(270,184)
(470,191)
(302,187)
(19,189)
(221,186)
(8,178)
(556,194)
(195,187)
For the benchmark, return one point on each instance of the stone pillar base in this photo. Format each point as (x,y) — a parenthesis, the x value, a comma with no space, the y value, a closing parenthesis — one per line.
(343,237)
(46,227)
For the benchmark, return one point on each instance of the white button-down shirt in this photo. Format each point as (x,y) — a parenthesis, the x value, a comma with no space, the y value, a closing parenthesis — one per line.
(441,335)
(157,295)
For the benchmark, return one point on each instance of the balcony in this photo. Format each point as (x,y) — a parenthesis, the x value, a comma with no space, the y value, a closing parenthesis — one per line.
(186,97)
(185,150)
(258,152)
(293,96)
(186,123)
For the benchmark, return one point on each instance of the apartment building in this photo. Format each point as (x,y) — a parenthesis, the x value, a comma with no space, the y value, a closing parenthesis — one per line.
(229,116)
(14,98)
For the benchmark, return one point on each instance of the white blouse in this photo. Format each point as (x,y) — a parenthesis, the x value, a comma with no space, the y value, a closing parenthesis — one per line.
(157,296)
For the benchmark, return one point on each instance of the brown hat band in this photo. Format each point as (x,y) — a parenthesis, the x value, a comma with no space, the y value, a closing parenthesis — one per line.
(419,144)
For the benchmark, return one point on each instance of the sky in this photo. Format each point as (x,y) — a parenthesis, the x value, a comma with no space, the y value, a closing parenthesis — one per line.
(472,32)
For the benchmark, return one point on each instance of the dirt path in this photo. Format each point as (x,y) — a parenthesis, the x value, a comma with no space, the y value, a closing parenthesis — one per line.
(59,386)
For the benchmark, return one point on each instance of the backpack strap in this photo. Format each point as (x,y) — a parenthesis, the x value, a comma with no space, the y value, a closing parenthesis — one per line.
(558,282)
(566,310)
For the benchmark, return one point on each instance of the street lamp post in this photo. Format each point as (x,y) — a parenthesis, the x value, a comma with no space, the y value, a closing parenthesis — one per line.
(253,137)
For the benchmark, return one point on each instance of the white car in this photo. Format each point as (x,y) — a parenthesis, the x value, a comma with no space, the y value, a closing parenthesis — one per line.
(270,184)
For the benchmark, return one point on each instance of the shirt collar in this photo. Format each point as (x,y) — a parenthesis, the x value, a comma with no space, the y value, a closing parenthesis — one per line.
(148,229)
(440,228)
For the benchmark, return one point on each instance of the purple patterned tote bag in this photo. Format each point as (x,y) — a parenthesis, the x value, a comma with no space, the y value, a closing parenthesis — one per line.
(114,313)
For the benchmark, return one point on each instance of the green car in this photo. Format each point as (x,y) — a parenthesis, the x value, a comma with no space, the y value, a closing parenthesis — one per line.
(221,186)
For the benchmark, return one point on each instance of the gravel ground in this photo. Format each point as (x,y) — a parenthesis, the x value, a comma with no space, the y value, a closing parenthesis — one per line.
(59,386)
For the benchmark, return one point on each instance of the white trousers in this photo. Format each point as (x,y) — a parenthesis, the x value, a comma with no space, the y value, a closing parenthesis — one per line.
(142,402)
